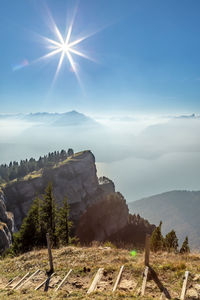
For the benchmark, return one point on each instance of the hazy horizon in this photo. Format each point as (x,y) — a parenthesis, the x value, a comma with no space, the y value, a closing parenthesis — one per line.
(129,150)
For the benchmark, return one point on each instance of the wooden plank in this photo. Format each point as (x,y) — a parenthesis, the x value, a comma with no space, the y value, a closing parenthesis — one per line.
(19,282)
(95,281)
(184,288)
(118,279)
(11,281)
(144,282)
(41,284)
(50,253)
(147,250)
(36,272)
(63,281)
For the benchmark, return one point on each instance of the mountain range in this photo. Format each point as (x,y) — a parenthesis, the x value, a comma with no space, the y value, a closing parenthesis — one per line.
(71,118)
(178,210)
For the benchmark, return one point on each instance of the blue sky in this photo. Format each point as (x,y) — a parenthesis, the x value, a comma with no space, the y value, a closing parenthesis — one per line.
(148,54)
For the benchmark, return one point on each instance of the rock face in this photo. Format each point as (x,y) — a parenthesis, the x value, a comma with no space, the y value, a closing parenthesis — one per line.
(97,211)
(76,178)
(106,185)
(110,220)
(103,219)
(6,225)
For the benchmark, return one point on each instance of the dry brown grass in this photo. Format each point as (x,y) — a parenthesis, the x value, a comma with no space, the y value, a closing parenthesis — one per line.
(169,267)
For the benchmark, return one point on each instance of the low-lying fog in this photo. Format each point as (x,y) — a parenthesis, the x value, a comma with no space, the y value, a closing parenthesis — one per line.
(142,155)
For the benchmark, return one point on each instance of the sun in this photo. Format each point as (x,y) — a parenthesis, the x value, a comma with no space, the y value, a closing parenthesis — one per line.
(64,46)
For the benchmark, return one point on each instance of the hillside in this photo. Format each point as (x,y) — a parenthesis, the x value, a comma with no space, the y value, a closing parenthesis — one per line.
(85,262)
(179,210)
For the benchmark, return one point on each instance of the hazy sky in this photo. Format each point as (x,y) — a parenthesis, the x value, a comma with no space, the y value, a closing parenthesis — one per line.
(146,70)
(148,54)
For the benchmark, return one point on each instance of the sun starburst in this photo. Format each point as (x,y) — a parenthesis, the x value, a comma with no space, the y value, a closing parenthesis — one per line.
(66,48)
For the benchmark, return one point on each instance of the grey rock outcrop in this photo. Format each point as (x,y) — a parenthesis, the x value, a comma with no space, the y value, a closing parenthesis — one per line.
(6,225)
(76,178)
(106,185)
(103,219)
(109,220)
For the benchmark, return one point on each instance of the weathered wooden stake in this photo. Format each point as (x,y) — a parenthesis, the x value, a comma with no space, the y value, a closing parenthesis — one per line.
(118,279)
(36,272)
(19,282)
(50,253)
(64,279)
(11,281)
(43,282)
(147,250)
(183,292)
(144,282)
(97,278)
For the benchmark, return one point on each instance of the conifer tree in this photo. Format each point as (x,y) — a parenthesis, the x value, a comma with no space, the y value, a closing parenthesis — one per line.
(171,241)
(63,224)
(29,234)
(157,241)
(185,246)
(48,214)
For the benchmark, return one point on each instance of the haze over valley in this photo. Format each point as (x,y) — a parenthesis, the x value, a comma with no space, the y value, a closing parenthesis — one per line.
(142,154)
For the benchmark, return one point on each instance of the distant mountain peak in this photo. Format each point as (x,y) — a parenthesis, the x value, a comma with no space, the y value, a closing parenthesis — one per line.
(70,118)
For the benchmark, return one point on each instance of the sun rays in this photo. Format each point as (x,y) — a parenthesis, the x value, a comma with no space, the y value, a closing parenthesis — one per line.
(66,47)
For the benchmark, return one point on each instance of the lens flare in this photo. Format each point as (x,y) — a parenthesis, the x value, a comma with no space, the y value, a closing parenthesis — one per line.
(133,253)
(21,65)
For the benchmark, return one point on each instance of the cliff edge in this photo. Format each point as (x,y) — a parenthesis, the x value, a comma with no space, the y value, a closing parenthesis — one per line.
(6,225)
(75,178)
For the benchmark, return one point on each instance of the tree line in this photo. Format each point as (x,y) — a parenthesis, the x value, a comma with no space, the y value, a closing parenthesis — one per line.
(168,243)
(43,217)
(20,169)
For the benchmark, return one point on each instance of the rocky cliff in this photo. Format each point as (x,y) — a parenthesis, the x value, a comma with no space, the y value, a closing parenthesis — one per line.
(109,220)
(6,225)
(75,178)
(97,211)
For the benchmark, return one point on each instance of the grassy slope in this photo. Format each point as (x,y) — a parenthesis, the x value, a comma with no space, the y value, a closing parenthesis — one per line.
(170,269)
(38,174)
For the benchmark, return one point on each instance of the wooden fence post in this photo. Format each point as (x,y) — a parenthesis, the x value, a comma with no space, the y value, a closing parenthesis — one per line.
(144,282)
(184,287)
(118,279)
(64,279)
(50,253)
(95,281)
(19,282)
(147,250)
